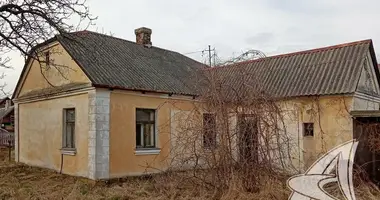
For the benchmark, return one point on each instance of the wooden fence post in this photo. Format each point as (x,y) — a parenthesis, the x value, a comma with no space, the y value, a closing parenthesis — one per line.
(9,150)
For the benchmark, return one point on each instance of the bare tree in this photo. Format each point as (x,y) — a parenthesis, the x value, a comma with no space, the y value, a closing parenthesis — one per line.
(26,23)
(232,137)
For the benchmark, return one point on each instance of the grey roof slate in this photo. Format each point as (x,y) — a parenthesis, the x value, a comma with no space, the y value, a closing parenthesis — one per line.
(324,71)
(117,63)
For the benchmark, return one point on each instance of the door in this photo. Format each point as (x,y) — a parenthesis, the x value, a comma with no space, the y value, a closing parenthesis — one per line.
(248,151)
(367,157)
(248,139)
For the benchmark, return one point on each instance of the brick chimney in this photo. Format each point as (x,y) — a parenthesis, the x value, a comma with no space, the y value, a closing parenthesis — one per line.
(143,36)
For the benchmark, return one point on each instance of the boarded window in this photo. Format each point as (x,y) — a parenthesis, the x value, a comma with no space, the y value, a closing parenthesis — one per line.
(308,129)
(209,130)
(145,128)
(69,128)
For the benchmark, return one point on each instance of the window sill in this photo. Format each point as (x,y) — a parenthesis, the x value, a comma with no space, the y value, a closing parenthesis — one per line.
(70,152)
(147,151)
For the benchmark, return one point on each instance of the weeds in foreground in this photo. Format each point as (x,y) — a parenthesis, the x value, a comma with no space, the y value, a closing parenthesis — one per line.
(18,181)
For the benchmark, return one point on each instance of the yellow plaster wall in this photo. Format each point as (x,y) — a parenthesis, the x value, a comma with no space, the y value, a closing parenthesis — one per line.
(332,124)
(123,161)
(63,71)
(40,134)
(330,115)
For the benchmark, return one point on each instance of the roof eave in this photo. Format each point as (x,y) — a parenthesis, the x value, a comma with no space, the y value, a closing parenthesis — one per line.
(142,90)
(313,95)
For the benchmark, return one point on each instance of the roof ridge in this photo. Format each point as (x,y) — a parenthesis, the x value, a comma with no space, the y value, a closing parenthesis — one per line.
(103,34)
(122,39)
(315,50)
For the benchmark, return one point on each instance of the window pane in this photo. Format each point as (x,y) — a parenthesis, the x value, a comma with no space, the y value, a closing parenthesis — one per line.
(138,135)
(70,115)
(151,116)
(149,135)
(308,129)
(69,135)
(72,142)
(144,115)
(69,129)
(145,123)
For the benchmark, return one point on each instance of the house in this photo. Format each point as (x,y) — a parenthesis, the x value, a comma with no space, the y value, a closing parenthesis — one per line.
(80,117)
(7,114)
(7,122)
(317,90)
(97,106)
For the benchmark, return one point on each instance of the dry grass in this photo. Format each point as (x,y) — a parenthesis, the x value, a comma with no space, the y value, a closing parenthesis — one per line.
(18,181)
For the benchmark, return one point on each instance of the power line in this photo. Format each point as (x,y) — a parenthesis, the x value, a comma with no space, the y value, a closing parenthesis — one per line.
(193,52)
(210,56)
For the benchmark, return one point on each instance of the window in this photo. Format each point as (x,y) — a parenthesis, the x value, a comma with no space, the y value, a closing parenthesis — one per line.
(209,130)
(308,129)
(69,128)
(145,128)
(47,59)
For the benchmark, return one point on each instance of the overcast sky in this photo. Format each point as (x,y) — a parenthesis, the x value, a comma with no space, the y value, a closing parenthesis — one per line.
(231,27)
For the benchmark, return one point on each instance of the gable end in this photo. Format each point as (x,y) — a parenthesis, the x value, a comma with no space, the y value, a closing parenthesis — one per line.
(37,77)
(369,83)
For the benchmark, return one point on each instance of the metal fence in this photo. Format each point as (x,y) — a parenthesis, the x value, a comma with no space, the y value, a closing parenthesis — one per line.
(7,139)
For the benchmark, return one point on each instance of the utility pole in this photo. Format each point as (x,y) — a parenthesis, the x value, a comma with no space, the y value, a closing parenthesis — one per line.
(209,54)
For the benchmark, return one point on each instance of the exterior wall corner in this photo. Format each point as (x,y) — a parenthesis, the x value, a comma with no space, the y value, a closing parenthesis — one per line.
(98,136)
(16,115)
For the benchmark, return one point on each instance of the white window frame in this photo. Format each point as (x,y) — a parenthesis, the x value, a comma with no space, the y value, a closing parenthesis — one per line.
(148,150)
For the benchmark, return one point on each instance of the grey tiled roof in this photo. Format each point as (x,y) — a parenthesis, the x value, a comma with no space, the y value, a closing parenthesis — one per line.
(324,71)
(117,63)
